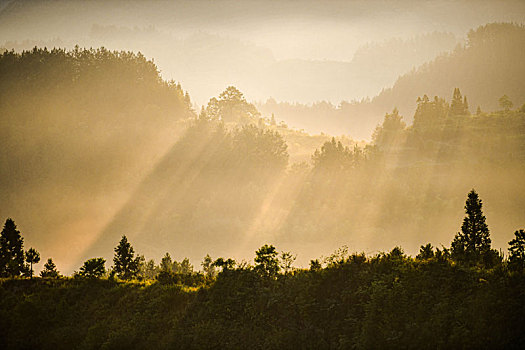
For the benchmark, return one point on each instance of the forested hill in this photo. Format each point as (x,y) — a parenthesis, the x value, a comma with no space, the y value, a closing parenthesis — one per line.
(168,31)
(79,128)
(487,67)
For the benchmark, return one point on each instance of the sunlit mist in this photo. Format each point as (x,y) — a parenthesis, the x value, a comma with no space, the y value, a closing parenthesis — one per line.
(206,127)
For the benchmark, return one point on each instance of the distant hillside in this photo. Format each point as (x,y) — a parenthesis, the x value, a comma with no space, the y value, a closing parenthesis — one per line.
(487,67)
(206,63)
(373,67)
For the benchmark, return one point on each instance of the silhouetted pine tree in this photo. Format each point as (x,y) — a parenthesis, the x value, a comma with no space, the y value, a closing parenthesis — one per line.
(166,264)
(473,241)
(465,105)
(126,265)
(207,266)
(11,251)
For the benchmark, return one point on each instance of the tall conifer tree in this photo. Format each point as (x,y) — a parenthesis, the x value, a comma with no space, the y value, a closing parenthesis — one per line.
(11,251)
(473,241)
(126,265)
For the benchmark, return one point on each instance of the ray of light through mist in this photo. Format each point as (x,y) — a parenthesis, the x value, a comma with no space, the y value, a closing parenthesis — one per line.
(214,127)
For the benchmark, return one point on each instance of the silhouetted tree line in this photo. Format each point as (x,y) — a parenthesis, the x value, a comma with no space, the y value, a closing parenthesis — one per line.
(441,127)
(73,72)
(471,247)
(465,296)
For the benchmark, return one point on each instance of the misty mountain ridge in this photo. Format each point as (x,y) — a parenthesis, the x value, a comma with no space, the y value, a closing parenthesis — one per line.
(205,63)
(485,68)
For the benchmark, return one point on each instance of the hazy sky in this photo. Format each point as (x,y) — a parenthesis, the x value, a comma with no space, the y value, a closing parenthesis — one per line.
(291,29)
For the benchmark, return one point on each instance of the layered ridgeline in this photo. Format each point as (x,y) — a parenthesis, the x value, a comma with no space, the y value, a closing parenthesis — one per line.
(79,129)
(303,70)
(90,157)
(486,67)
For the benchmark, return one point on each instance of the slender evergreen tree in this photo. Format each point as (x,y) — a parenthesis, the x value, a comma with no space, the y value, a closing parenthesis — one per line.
(166,264)
(473,242)
(11,251)
(207,266)
(186,268)
(505,103)
(478,111)
(150,270)
(126,265)
(458,105)
(465,105)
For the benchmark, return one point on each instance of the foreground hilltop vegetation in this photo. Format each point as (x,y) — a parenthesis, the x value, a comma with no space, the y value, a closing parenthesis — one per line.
(465,296)
(385,301)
